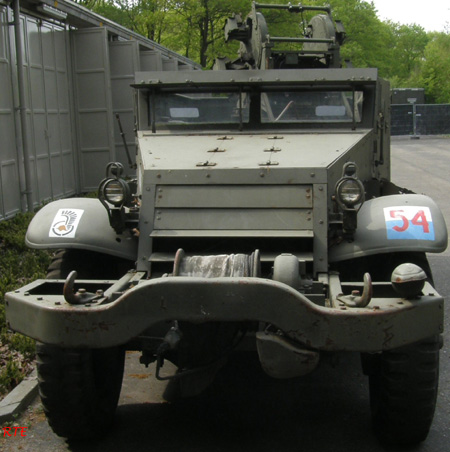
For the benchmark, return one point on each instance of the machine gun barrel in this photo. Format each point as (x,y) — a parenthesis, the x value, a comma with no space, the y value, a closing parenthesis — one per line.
(293,8)
(302,40)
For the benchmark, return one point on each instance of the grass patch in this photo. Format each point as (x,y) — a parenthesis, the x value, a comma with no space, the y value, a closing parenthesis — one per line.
(19,265)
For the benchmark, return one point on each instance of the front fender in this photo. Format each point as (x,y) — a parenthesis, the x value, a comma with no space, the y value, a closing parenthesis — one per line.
(81,223)
(396,223)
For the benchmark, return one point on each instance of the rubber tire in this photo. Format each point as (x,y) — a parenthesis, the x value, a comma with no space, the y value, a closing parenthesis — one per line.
(88,264)
(403,390)
(80,388)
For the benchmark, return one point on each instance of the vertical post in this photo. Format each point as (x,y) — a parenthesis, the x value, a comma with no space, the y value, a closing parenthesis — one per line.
(353,108)
(22,107)
(412,101)
(152,100)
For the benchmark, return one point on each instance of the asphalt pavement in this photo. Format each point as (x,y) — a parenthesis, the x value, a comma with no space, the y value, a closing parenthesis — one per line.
(326,411)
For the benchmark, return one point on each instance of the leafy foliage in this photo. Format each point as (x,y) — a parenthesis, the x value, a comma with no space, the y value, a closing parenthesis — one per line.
(409,49)
(367,36)
(18,266)
(405,54)
(436,68)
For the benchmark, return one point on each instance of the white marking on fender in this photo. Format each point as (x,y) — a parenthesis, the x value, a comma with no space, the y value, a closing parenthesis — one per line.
(65,223)
(409,223)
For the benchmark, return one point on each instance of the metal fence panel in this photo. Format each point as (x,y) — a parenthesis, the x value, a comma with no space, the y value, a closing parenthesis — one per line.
(401,119)
(93,104)
(169,64)
(124,62)
(9,175)
(49,109)
(430,119)
(36,109)
(74,81)
(151,60)
(433,119)
(58,110)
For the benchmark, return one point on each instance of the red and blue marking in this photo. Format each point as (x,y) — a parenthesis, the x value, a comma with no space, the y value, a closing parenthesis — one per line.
(409,223)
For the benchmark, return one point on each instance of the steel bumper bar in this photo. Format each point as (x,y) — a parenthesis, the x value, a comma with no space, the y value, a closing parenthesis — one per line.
(385,323)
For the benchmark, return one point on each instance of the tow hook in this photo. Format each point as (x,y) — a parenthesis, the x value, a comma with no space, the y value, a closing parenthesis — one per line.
(81,296)
(355,300)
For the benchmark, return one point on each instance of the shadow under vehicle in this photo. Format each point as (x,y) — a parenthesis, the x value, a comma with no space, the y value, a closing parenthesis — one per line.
(262,217)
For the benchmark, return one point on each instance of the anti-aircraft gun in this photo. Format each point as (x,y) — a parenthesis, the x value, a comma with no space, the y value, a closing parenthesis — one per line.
(321,40)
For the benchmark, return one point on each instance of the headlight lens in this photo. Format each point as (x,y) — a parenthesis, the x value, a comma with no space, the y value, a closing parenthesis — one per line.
(350,192)
(114,191)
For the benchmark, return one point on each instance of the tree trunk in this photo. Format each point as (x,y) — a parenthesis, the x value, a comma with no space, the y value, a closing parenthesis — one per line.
(204,28)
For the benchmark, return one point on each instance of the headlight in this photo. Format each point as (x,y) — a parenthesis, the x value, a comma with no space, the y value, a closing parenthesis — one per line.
(349,192)
(115,191)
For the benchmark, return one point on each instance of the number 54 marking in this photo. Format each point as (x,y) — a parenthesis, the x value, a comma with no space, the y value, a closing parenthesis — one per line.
(419,219)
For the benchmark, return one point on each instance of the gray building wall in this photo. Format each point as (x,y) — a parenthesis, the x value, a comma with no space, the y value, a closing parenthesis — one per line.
(77,75)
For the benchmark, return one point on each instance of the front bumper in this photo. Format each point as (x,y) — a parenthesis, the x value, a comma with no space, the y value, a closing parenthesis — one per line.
(130,306)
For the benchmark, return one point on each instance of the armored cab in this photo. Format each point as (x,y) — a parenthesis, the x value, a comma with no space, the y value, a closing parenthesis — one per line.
(262,213)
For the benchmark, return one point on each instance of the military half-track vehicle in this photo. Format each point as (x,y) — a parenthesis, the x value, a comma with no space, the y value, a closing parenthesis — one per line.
(262,213)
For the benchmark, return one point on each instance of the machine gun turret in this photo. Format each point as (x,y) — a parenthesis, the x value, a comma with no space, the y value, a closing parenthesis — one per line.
(321,41)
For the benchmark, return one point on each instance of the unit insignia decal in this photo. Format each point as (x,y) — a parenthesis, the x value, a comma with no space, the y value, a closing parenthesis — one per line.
(65,223)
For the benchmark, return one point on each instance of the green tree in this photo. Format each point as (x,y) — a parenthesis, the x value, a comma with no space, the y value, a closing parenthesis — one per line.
(369,40)
(199,27)
(91,4)
(146,17)
(408,52)
(434,76)
(405,54)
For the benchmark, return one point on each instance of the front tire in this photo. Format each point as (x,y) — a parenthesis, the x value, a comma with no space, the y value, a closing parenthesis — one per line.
(80,388)
(403,390)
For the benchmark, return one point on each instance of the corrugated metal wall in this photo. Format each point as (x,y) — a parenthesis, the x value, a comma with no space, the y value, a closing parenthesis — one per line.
(76,81)
(93,103)
(9,168)
(48,104)
(124,58)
